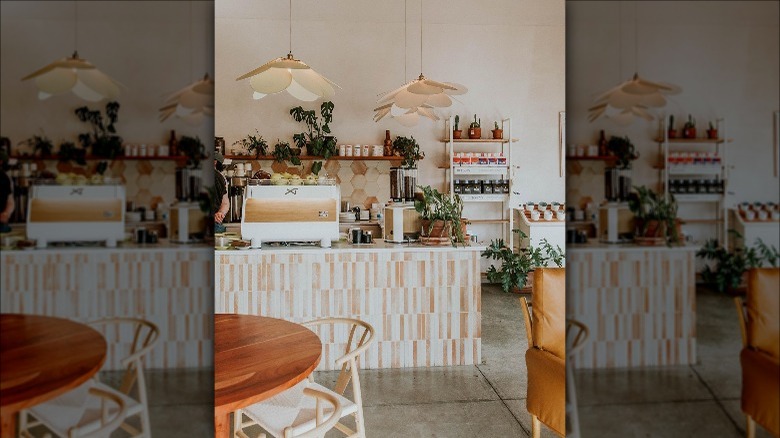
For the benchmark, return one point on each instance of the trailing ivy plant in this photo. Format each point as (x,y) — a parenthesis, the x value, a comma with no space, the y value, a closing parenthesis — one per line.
(283,152)
(193,149)
(728,268)
(103,140)
(317,140)
(515,267)
(254,143)
(409,149)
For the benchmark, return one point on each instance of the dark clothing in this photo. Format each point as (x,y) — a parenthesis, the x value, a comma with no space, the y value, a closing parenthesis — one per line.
(220,183)
(6,189)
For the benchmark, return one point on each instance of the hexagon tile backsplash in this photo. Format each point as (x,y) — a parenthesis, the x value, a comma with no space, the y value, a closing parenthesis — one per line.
(362,182)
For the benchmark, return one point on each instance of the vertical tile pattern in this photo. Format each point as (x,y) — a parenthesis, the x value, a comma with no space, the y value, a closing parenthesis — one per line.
(639,304)
(424,305)
(169,287)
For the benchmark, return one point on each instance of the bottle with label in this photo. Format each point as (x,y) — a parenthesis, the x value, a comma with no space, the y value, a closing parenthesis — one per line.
(602,144)
(388,148)
(173,144)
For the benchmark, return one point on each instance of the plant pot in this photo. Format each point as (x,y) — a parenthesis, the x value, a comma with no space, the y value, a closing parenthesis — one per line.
(672,133)
(712,134)
(457,133)
(498,134)
(689,132)
(440,228)
(529,285)
(475,133)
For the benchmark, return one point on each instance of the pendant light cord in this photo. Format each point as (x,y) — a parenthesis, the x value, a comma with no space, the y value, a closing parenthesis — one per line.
(636,41)
(75,28)
(189,30)
(421,37)
(620,42)
(290,51)
(405,72)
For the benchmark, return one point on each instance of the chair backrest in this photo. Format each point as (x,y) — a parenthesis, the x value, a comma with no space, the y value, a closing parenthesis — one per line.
(322,425)
(548,319)
(145,336)
(762,328)
(110,419)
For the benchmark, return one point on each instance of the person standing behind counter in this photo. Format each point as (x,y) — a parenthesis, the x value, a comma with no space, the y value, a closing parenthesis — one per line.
(6,194)
(221,191)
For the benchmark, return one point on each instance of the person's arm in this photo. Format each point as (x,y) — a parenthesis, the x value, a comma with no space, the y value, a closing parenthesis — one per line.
(219,216)
(5,216)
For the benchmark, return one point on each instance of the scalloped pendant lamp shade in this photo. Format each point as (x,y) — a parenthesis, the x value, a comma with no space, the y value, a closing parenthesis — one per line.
(293,75)
(192,103)
(77,75)
(632,98)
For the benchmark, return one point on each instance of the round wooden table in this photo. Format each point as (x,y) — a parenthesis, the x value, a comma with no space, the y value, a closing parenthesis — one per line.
(43,357)
(256,358)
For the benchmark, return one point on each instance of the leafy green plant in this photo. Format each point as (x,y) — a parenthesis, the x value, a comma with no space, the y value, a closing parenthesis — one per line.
(70,152)
(254,143)
(495,125)
(316,140)
(515,267)
(623,149)
(283,152)
(647,207)
(436,206)
(103,140)
(40,144)
(457,121)
(193,149)
(409,150)
(476,123)
(728,267)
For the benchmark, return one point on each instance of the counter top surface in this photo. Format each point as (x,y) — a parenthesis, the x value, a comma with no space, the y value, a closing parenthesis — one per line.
(599,246)
(163,245)
(379,245)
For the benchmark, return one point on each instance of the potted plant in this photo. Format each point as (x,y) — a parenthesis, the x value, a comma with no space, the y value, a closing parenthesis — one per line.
(498,133)
(40,145)
(193,149)
(103,139)
(475,131)
(655,217)
(729,269)
(283,152)
(689,129)
(441,217)
(516,269)
(622,149)
(672,133)
(317,141)
(712,132)
(254,143)
(409,149)
(69,151)
(457,133)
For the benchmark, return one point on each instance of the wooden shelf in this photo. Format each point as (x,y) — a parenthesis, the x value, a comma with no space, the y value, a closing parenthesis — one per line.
(478,140)
(694,140)
(313,158)
(700,221)
(489,221)
(587,158)
(94,158)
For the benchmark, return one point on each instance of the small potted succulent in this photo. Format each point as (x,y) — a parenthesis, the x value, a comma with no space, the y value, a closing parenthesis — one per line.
(475,131)
(457,133)
(712,132)
(672,133)
(689,129)
(498,133)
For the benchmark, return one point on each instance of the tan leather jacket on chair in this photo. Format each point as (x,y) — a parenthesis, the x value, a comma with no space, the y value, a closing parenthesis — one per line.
(546,358)
(760,358)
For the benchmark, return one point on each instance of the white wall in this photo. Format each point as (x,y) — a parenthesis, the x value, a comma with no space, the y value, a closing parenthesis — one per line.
(510,54)
(724,55)
(147,46)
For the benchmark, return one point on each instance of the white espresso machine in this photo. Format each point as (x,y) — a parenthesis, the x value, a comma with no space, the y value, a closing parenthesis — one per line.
(76,213)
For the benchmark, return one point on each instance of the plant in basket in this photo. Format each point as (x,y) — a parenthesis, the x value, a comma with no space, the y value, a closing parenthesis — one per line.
(441,216)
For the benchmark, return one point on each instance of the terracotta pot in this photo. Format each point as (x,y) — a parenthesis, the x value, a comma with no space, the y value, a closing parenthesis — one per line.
(498,134)
(655,228)
(475,133)
(439,229)
(712,134)
(457,133)
(672,133)
(689,133)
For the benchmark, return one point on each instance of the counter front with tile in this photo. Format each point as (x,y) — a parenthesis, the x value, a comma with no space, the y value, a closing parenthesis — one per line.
(167,284)
(424,302)
(639,303)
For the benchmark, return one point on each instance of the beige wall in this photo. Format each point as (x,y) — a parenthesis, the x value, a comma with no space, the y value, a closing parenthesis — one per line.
(510,54)
(147,46)
(724,55)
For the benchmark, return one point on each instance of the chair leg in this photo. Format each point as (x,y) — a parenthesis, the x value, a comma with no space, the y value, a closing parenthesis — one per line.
(750,427)
(536,427)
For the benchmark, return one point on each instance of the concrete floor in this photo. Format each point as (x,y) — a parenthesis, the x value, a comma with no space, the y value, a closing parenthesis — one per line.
(488,400)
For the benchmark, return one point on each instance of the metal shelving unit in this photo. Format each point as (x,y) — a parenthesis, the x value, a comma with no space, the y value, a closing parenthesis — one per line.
(721,171)
(502,171)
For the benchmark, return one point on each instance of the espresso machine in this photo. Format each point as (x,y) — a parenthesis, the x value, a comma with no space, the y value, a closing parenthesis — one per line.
(188,184)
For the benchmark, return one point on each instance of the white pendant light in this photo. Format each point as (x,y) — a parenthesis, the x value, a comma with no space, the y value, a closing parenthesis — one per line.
(293,75)
(193,102)
(633,98)
(419,97)
(74,74)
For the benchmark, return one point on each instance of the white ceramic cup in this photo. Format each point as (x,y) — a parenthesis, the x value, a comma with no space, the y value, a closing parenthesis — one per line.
(560,215)
(535,215)
(548,215)
(750,215)
(763,215)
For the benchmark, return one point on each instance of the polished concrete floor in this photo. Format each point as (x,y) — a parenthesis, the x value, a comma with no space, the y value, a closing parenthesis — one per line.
(488,400)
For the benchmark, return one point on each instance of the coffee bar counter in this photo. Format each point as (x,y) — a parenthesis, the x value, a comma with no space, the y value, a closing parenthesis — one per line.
(638,301)
(168,284)
(424,302)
